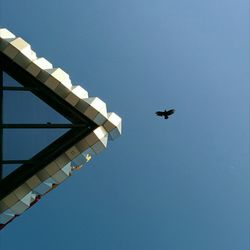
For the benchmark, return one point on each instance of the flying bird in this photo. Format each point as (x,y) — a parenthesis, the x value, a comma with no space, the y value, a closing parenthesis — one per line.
(165,113)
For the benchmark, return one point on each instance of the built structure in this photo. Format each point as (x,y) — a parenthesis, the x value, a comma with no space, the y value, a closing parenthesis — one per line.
(90,129)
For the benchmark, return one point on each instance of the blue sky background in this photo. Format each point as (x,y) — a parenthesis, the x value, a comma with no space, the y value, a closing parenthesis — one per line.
(180,184)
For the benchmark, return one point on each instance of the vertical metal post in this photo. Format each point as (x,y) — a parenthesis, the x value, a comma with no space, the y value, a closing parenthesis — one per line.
(1,121)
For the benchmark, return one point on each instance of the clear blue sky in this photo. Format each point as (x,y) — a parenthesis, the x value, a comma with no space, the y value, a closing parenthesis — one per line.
(180,184)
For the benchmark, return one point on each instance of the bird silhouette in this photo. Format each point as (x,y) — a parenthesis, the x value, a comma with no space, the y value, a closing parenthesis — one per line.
(165,113)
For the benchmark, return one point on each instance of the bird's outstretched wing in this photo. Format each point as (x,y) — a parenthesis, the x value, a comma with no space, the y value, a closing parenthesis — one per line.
(170,112)
(159,113)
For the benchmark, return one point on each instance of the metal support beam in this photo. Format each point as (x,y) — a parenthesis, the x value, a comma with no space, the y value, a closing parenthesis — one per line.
(15,88)
(1,121)
(81,127)
(38,126)
(41,159)
(42,91)
(10,162)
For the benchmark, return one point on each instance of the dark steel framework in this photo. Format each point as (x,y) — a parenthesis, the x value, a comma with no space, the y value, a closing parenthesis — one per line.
(81,126)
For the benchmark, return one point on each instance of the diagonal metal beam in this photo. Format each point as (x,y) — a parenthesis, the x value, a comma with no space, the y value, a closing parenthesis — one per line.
(41,159)
(37,126)
(15,88)
(42,91)
(15,162)
(56,148)
(1,121)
